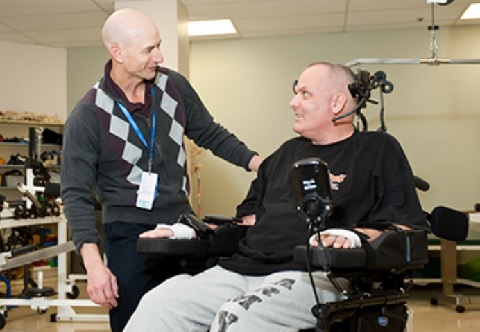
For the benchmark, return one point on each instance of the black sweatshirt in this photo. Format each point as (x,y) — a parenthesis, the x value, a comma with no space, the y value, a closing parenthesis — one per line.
(371,182)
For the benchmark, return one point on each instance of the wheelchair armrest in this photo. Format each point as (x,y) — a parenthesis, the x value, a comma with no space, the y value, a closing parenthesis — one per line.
(398,250)
(222,242)
(329,258)
(216,219)
(172,247)
(401,249)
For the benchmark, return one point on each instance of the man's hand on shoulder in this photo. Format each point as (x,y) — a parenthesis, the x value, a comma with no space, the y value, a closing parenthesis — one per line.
(255,163)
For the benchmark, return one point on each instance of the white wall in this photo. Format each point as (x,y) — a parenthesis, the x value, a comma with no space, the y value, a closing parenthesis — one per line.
(433,111)
(33,79)
(85,66)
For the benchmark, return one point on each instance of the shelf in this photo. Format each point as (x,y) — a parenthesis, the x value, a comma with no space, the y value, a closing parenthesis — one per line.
(5,166)
(17,144)
(32,123)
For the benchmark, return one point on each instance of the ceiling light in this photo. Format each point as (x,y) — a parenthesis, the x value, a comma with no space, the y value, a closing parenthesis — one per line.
(206,28)
(472,12)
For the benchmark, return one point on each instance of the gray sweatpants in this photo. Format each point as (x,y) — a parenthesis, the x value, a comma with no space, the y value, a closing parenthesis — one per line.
(219,300)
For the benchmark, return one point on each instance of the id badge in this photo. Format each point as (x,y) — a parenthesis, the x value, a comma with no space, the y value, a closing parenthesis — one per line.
(146,191)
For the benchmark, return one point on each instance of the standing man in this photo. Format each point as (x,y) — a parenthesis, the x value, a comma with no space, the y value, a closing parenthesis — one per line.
(123,145)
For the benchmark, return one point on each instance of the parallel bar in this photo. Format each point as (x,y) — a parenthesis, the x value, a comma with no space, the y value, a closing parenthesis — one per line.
(43,302)
(414,61)
(37,255)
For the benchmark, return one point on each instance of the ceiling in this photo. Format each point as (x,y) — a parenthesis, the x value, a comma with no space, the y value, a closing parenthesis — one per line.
(77,23)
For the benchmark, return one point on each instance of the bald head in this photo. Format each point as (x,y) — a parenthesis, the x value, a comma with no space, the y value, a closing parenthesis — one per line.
(124,26)
(339,76)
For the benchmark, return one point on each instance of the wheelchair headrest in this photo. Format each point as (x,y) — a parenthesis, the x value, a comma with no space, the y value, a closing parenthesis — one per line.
(449,224)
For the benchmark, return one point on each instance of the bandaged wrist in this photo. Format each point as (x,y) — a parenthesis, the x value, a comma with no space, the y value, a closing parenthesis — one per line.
(349,235)
(179,230)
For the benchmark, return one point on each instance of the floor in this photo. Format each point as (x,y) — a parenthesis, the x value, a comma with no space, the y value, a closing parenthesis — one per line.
(425,317)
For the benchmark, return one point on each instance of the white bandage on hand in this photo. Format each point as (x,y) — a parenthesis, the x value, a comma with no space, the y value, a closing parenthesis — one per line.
(180,231)
(349,235)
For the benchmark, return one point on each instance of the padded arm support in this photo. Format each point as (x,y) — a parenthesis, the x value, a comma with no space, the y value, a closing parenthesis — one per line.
(172,247)
(391,250)
(221,243)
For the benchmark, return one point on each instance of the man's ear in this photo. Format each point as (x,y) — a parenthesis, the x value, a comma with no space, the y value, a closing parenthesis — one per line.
(116,53)
(339,101)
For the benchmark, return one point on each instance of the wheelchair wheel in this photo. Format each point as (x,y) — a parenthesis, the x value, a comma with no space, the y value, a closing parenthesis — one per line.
(433,301)
(460,309)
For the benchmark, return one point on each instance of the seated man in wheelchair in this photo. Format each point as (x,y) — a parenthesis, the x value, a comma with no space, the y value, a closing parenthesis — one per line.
(261,287)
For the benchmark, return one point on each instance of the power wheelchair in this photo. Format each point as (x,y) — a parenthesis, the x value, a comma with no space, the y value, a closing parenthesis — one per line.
(377,273)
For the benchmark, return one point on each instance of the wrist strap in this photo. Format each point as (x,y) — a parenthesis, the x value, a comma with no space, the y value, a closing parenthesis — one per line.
(180,231)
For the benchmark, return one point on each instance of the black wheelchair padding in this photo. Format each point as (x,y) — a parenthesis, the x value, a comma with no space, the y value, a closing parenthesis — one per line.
(398,249)
(392,250)
(221,242)
(177,247)
(328,258)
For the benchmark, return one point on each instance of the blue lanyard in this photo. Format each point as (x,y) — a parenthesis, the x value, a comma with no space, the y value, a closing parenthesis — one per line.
(139,133)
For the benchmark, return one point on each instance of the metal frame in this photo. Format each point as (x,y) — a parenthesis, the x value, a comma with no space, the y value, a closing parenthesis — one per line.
(65,283)
(412,61)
